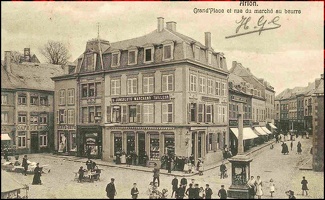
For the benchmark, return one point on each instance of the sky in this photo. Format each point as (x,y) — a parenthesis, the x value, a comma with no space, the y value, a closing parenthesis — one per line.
(286,57)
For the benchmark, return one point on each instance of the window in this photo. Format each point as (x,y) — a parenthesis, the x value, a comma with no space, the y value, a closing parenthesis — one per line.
(91,114)
(84,112)
(84,90)
(167,52)
(210,86)
(223,89)
(43,140)
(192,112)
(201,113)
(4,99)
(132,113)
(71,96)
(154,147)
(115,86)
(21,139)
(33,100)
(43,118)
(167,82)
(132,86)
(202,85)
(98,114)
(4,117)
(197,53)
(218,88)
(115,59)
(193,82)
(219,114)
(148,113)
(91,89)
(210,58)
(116,114)
(73,143)
(62,114)
(70,116)
(148,84)
(89,62)
(167,112)
(33,118)
(208,113)
(62,97)
(44,101)
(210,139)
(22,99)
(22,117)
(148,54)
(132,57)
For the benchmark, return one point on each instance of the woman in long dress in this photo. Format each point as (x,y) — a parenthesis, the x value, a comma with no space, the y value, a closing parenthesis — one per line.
(251,184)
(37,175)
(259,191)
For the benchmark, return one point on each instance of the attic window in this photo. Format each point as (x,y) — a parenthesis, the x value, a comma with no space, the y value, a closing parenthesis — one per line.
(89,62)
(132,57)
(210,58)
(148,54)
(197,53)
(168,52)
(115,59)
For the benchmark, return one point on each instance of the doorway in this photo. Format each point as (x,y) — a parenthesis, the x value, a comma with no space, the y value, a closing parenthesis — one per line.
(34,143)
(141,147)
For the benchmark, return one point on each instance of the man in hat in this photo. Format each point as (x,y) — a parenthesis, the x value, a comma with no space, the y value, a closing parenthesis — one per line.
(134,191)
(208,192)
(174,186)
(110,189)
(222,192)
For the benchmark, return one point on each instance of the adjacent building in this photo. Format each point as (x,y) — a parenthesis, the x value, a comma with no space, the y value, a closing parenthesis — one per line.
(27,98)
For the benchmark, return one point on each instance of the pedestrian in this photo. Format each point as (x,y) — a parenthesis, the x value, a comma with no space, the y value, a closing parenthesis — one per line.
(184,181)
(222,193)
(150,188)
(283,151)
(25,164)
(201,193)
(128,159)
(272,187)
(259,185)
(5,154)
(286,148)
(169,163)
(291,145)
(89,164)
(304,187)
(251,184)
(291,194)
(174,186)
(299,150)
(156,174)
(196,191)
(190,192)
(271,146)
(201,168)
(37,175)
(145,159)
(180,192)
(110,189)
(134,191)
(81,173)
(223,169)
(208,192)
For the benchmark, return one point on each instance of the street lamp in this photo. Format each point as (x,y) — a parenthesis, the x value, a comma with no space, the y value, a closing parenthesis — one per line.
(240,165)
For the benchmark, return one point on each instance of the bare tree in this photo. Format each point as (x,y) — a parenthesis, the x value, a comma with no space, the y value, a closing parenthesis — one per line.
(16,57)
(55,52)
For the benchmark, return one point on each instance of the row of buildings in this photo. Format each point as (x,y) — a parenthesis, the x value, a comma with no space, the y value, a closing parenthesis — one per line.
(160,93)
(301,109)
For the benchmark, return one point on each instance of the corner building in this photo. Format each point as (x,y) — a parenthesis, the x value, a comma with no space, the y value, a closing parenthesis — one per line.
(165,92)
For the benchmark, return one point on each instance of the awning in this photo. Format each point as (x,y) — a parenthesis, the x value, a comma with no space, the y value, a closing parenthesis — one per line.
(9,183)
(259,131)
(5,136)
(266,130)
(248,133)
(272,126)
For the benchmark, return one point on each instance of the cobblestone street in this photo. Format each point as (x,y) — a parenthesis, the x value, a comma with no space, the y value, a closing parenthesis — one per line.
(268,163)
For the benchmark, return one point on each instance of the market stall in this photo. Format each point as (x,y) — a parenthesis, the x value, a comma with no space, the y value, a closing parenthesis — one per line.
(11,188)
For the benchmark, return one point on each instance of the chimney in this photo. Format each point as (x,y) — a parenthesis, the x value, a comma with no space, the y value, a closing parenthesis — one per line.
(234,64)
(8,61)
(207,40)
(160,24)
(27,54)
(171,26)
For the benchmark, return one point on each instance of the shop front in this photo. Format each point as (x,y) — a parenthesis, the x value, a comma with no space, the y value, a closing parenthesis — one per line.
(67,140)
(90,142)
(249,138)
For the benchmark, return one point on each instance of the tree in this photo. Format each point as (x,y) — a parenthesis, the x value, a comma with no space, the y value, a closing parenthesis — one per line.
(55,53)
(16,57)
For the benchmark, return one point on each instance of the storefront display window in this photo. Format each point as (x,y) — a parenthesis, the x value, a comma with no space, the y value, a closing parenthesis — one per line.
(91,143)
(130,143)
(73,146)
(154,147)
(62,142)
(117,143)
(169,144)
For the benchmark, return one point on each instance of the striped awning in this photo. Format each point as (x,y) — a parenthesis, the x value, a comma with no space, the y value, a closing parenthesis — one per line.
(248,133)
(272,126)
(259,131)
(266,130)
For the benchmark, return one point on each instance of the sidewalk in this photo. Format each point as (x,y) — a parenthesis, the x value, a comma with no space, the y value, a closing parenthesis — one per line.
(99,162)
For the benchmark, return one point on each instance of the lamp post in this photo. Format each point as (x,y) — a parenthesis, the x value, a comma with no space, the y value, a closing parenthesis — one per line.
(240,165)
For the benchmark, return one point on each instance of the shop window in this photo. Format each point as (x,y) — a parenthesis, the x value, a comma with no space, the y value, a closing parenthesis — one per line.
(73,144)
(43,139)
(43,118)
(167,112)
(4,117)
(34,100)
(132,113)
(167,82)
(193,112)
(154,147)
(21,139)
(169,144)
(117,143)
(44,101)
(62,142)
(22,99)
(130,141)
(22,117)
(116,114)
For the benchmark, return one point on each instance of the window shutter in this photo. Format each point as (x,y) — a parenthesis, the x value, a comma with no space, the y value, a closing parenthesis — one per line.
(164,113)
(196,112)
(57,117)
(108,114)
(124,114)
(139,119)
(189,113)
(214,142)
(212,113)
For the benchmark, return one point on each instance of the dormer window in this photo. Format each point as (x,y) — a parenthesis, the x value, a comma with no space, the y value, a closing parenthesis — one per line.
(115,59)
(210,58)
(197,53)
(148,54)
(89,62)
(132,57)
(168,51)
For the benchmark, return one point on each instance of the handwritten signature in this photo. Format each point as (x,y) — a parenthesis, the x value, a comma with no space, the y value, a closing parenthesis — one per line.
(262,25)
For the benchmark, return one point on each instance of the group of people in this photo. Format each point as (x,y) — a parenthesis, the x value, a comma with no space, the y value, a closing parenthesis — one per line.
(91,168)
(285,148)
(131,158)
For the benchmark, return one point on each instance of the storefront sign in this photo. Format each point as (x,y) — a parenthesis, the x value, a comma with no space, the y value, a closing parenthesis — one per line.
(233,123)
(210,99)
(32,128)
(90,141)
(142,98)
(67,127)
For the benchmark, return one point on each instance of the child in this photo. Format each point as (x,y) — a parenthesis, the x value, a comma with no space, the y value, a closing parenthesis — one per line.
(201,168)
(272,187)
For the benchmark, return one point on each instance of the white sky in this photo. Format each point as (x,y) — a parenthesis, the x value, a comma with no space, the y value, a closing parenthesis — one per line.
(289,56)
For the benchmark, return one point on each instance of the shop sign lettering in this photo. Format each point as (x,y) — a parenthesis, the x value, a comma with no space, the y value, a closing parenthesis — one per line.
(66,127)
(142,98)
(32,128)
